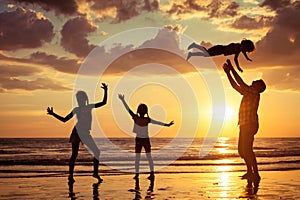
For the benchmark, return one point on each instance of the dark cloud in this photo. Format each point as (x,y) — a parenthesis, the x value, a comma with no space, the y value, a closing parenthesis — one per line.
(215,9)
(10,79)
(163,49)
(188,6)
(67,7)
(8,84)
(151,5)
(281,45)
(248,23)
(10,71)
(153,57)
(275,5)
(74,36)
(125,10)
(177,28)
(23,29)
(219,9)
(61,64)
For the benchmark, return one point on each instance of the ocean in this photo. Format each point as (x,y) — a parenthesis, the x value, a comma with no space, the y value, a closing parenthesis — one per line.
(35,157)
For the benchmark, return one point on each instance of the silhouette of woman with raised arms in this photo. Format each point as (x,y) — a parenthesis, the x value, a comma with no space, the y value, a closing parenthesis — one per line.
(230,49)
(141,120)
(82,128)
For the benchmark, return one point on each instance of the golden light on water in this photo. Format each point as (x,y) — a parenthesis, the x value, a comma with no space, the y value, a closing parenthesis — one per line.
(223,168)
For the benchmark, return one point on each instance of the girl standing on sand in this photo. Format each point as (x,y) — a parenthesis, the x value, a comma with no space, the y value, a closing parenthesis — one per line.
(83,126)
(141,120)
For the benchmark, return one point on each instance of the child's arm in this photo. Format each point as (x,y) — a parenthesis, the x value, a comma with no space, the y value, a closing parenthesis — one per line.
(63,119)
(104,87)
(121,97)
(246,56)
(236,61)
(161,123)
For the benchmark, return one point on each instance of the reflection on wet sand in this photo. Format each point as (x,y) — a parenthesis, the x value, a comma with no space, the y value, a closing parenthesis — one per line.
(72,194)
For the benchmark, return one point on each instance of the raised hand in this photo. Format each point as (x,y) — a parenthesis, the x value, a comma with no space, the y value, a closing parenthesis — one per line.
(229,64)
(121,96)
(171,123)
(226,68)
(50,111)
(104,86)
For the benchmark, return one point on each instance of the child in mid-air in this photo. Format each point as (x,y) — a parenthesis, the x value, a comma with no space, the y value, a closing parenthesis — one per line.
(233,48)
(81,131)
(141,120)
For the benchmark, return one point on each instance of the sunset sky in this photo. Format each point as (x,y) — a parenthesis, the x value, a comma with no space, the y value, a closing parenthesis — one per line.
(46,46)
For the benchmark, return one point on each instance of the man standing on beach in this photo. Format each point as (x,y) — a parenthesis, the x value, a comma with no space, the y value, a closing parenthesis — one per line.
(248,120)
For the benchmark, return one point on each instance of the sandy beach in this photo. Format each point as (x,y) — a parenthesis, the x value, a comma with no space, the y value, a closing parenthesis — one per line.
(221,185)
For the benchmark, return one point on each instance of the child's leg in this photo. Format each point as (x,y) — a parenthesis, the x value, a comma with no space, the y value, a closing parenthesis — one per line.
(75,147)
(203,54)
(89,142)
(96,166)
(149,158)
(138,149)
(150,161)
(137,162)
(196,46)
(91,145)
(95,174)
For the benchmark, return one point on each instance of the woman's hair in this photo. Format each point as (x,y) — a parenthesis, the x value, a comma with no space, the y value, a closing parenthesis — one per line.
(248,45)
(82,97)
(142,109)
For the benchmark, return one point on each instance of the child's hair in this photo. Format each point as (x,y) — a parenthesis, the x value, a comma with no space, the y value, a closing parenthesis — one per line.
(82,96)
(142,109)
(248,45)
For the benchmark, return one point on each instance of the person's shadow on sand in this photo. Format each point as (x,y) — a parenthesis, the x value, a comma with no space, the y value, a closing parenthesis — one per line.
(72,194)
(137,190)
(250,192)
(96,191)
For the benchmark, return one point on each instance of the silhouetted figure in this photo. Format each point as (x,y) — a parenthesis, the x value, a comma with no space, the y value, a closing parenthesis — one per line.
(82,128)
(151,186)
(231,49)
(137,184)
(71,192)
(141,120)
(96,191)
(248,120)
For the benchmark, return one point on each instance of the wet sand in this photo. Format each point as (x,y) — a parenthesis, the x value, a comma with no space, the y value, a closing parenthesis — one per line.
(221,185)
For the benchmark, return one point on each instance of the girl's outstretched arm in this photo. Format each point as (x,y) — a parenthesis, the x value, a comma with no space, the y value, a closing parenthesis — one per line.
(236,61)
(246,56)
(161,123)
(63,119)
(104,101)
(122,98)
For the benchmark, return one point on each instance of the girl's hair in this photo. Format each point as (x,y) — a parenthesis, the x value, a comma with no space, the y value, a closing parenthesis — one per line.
(82,96)
(248,45)
(142,107)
